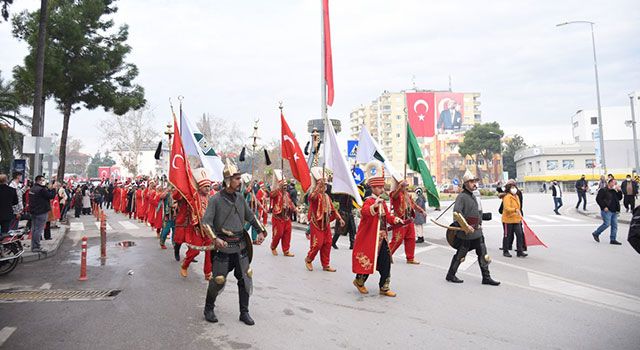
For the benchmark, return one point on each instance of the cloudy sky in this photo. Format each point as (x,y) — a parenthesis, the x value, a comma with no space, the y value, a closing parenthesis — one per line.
(237,59)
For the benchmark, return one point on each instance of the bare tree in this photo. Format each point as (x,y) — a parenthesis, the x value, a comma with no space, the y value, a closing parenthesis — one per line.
(128,135)
(225,137)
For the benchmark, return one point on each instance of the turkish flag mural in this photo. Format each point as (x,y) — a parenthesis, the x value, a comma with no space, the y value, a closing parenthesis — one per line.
(104,172)
(292,152)
(421,113)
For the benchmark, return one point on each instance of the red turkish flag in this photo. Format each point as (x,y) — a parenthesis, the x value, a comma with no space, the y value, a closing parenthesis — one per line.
(292,152)
(328,60)
(530,238)
(180,175)
(421,113)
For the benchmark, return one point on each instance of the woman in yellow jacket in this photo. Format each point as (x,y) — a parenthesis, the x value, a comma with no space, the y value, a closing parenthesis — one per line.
(512,221)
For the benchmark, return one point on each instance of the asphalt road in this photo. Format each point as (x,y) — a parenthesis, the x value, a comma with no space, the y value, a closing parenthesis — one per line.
(576,294)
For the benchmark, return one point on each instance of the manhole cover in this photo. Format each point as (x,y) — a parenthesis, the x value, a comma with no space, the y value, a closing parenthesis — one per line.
(19,296)
(125,244)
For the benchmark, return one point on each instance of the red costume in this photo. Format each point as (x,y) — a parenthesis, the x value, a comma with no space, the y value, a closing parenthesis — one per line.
(321,213)
(367,243)
(281,220)
(139,204)
(197,238)
(116,199)
(261,196)
(154,198)
(404,208)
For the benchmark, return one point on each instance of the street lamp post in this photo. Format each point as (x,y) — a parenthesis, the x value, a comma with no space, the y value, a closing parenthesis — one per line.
(595,66)
(633,97)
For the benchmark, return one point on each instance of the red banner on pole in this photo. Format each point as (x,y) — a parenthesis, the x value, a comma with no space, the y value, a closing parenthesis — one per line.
(421,113)
(328,63)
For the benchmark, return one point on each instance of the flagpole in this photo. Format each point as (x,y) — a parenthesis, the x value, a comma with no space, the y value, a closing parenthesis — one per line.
(406,131)
(281,145)
(323,87)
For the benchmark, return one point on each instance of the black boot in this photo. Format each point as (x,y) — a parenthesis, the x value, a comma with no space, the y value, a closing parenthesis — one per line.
(486,276)
(246,319)
(335,240)
(420,240)
(176,251)
(209,315)
(451,275)
(243,298)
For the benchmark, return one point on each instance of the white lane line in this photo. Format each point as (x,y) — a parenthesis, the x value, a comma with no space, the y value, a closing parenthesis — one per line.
(567,218)
(584,292)
(541,218)
(46,286)
(128,225)
(5,333)
(109,228)
(76,226)
(426,249)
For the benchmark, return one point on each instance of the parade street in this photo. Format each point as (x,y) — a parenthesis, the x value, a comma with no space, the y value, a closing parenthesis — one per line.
(576,294)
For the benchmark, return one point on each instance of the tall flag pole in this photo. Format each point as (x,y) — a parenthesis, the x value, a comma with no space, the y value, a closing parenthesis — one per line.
(327,71)
(293,153)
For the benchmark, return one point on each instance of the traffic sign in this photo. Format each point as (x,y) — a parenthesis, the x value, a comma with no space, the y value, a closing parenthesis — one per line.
(352,148)
(456,182)
(358,175)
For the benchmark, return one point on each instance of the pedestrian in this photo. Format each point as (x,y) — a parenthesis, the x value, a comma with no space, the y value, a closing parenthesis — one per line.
(581,189)
(63,198)
(630,192)
(77,202)
(501,195)
(8,199)
(371,248)
(602,183)
(86,200)
(634,230)
(16,183)
(556,193)
(293,193)
(227,212)
(468,206)
(321,214)
(609,201)
(544,187)
(40,196)
(512,221)
(109,196)
(421,216)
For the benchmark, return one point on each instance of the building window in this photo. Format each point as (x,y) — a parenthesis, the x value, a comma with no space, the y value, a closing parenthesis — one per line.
(552,164)
(575,125)
(568,164)
(530,167)
(538,164)
(469,161)
(480,161)
(397,117)
(398,135)
(590,163)
(594,120)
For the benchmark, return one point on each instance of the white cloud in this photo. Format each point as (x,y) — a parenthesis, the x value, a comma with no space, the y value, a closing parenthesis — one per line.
(238,59)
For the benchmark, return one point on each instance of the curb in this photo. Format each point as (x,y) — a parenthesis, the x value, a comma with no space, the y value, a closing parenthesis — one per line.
(30,256)
(597,216)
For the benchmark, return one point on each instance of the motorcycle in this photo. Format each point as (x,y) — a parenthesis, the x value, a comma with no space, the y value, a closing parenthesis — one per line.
(11,249)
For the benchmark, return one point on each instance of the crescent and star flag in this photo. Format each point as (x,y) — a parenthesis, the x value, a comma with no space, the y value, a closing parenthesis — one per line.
(369,149)
(328,64)
(104,172)
(180,175)
(343,181)
(292,152)
(196,144)
(421,113)
(530,237)
(416,162)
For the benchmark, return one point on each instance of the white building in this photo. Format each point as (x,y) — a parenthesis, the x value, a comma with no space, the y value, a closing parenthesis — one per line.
(585,122)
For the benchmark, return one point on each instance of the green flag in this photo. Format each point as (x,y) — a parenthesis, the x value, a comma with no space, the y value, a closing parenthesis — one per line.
(417,163)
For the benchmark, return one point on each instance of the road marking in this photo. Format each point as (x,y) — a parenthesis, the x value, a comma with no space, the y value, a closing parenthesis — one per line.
(76,226)
(128,225)
(584,292)
(5,333)
(468,262)
(109,228)
(542,218)
(567,218)
(425,249)
(46,286)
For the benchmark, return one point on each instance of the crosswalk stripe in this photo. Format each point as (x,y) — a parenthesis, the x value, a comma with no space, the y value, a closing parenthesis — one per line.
(127,225)
(567,218)
(76,226)
(5,333)
(109,228)
(541,218)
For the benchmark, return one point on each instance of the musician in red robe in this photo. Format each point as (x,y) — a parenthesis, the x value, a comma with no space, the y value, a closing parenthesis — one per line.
(116,197)
(321,214)
(154,199)
(194,237)
(405,208)
(371,249)
(140,203)
(261,196)
(281,214)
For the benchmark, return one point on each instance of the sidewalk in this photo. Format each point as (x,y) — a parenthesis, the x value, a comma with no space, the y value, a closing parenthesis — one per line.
(51,246)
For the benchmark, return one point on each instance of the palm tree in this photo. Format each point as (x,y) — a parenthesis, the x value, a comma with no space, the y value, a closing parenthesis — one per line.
(10,139)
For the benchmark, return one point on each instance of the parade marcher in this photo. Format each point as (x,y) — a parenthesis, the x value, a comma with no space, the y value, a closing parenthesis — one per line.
(345,208)
(371,247)
(108,198)
(421,216)
(116,197)
(581,189)
(140,207)
(321,214)
(130,202)
(154,212)
(512,221)
(466,207)
(405,208)
(246,187)
(630,191)
(608,199)
(224,220)
(293,193)
(282,206)
(168,212)
(193,233)
(149,208)
(262,198)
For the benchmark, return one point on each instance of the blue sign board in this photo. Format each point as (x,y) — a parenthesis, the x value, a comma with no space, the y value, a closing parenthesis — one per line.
(352,148)
(456,182)
(20,165)
(358,175)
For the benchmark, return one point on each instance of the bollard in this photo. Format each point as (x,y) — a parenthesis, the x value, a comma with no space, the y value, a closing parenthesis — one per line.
(103,236)
(83,261)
